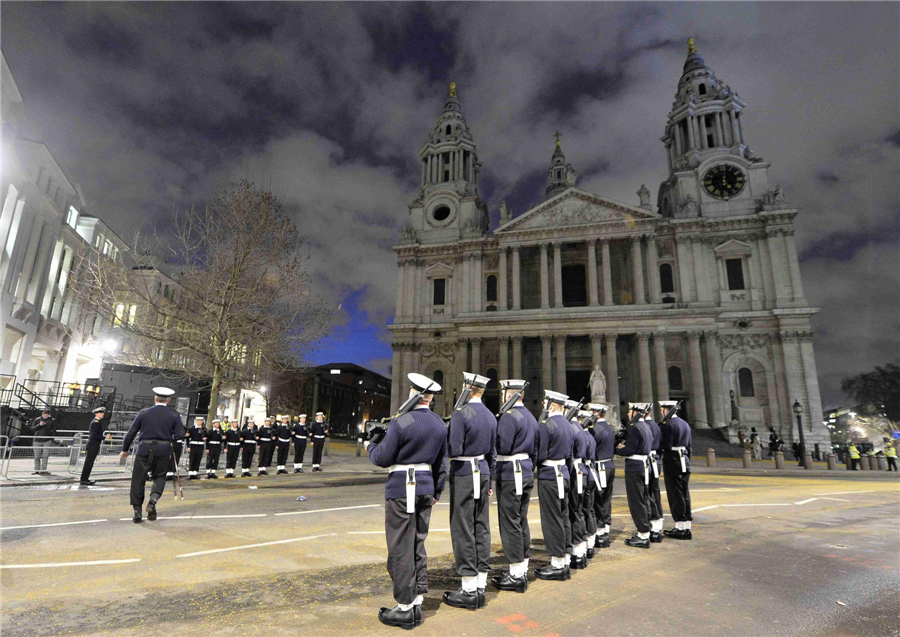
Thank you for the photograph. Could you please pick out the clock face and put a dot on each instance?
(724, 181)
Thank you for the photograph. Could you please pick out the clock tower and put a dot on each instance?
(712, 171)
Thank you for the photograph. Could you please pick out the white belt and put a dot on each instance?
(596, 478)
(265, 440)
(557, 464)
(234, 444)
(318, 436)
(301, 436)
(653, 464)
(516, 459)
(249, 442)
(579, 478)
(603, 471)
(214, 442)
(410, 470)
(284, 439)
(681, 451)
(197, 442)
(646, 466)
(475, 463)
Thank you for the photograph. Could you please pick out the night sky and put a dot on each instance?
(150, 106)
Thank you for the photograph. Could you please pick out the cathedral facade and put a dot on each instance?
(697, 298)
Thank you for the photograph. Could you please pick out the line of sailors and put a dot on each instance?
(571, 461)
(270, 438)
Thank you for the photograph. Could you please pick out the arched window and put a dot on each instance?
(745, 383)
(438, 377)
(491, 289)
(666, 280)
(676, 383)
(703, 89)
(448, 129)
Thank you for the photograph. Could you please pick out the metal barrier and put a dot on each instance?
(59, 456)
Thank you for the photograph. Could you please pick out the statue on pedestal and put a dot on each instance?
(597, 385)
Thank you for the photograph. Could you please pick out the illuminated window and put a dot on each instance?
(132, 313)
(119, 316)
(72, 217)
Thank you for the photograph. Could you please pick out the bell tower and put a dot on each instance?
(562, 174)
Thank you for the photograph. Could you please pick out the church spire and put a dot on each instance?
(562, 174)
(449, 156)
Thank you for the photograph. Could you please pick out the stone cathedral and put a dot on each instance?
(697, 298)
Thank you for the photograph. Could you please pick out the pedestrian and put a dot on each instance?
(196, 438)
(676, 445)
(795, 449)
(301, 436)
(158, 427)
(213, 450)
(773, 442)
(605, 438)
(232, 449)
(318, 433)
(890, 452)
(755, 445)
(414, 447)
(553, 447)
(283, 433)
(249, 440)
(637, 474)
(656, 512)
(471, 445)
(576, 545)
(514, 481)
(95, 439)
(266, 447)
(854, 457)
(42, 429)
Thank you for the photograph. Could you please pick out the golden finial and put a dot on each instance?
(690, 44)
(452, 89)
(557, 136)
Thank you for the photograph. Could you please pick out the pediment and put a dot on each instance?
(734, 247)
(576, 208)
(440, 269)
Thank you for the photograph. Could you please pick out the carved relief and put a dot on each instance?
(446, 350)
(744, 341)
(666, 248)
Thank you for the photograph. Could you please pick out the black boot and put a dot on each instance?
(568, 569)
(678, 534)
(603, 541)
(578, 563)
(87, 483)
(637, 542)
(151, 510)
(655, 537)
(482, 598)
(591, 552)
(300, 470)
(507, 582)
(297, 471)
(417, 611)
(462, 599)
(551, 573)
(405, 619)
(137, 515)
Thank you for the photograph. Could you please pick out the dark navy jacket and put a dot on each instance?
(676, 433)
(473, 432)
(605, 438)
(591, 451)
(301, 430)
(264, 432)
(196, 434)
(655, 438)
(579, 448)
(283, 431)
(250, 434)
(417, 437)
(214, 436)
(515, 434)
(232, 435)
(554, 441)
(154, 423)
(638, 444)
(95, 435)
(319, 429)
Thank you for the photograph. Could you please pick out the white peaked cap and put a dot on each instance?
(513, 383)
(668, 403)
(571, 403)
(555, 397)
(320, 413)
(422, 383)
(585, 414)
(302, 415)
(597, 407)
(475, 379)
(639, 405)
(163, 392)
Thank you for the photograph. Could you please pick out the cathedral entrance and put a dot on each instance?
(577, 384)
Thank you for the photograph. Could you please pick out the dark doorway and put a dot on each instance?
(574, 286)
(577, 384)
(491, 397)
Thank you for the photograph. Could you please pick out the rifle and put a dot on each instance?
(509, 404)
(376, 430)
(622, 434)
(177, 476)
(671, 413)
(574, 410)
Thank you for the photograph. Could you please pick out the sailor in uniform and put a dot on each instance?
(414, 447)
(319, 431)
(301, 435)
(656, 512)
(637, 474)
(676, 446)
(283, 433)
(554, 443)
(576, 547)
(471, 445)
(591, 483)
(605, 438)
(158, 427)
(213, 449)
(95, 439)
(196, 443)
(266, 448)
(249, 440)
(232, 449)
(514, 473)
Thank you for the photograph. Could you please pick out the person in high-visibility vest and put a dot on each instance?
(890, 452)
(854, 457)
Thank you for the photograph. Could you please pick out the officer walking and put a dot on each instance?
(576, 547)
(514, 472)
(301, 435)
(266, 448)
(637, 474)
(283, 433)
(196, 443)
(605, 438)
(249, 439)
(676, 446)
(656, 512)
(319, 431)
(414, 447)
(471, 445)
(42, 429)
(158, 427)
(95, 439)
(213, 450)
(553, 444)
(232, 449)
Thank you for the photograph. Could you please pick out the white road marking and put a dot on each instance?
(365, 532)
(62, 564)
(39, 526)
(764, 504)
(712, 506)
(203, 517)
(806, 501)
(254, 546)
(363, 506)
(835, 499)
(844, 492)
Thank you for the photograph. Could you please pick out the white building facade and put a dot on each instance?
(698, 298)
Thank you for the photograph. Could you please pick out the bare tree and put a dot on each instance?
(239, 304)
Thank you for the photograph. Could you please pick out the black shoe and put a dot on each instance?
(137, 515)
(637, 542)
(655, 537)
(482, 598)
(87, 483)
(190, 477)
(678, 534)
(507, 582)
(578, 563)
(213, 476)
(405, 619)
(301, 471)
(283, 471)
(551, 573)
(245, 475)
(229, 475)
(35, 473)
(568, 568)
(151, 510)
(603, 541)
(417, 610)
(591, 552)
(462, 599)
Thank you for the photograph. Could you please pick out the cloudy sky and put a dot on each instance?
(151, 106)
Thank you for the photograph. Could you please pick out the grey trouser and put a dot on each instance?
(638, 500)
(512, 515)
(470, 530)
(407, 562)
(41, 454)
(554, 516)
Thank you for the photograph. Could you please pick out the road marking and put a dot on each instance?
(712, 506)
(363, 506)
(254, 546)
(61, 564)
(765, 504)
(365, 532)
(203, 517)
(844, 492)
(39, 526)
(835, 499)
(806, 501)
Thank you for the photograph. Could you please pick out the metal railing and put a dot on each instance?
(23, 456)
(7, 389)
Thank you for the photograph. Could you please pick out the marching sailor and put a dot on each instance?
(605, 438)
(266, 447)
(232, 449)
(95, 439)
(676, 446)
(196, 443)
(514, 471)
(414, 447)
(283, 433)
(158, 427)
(576, 547)
(319, 431)
(213, 449)
(637, 473)
(553, 444)
(591, 483)
(656, 512)
(301, 435)
(249, 440)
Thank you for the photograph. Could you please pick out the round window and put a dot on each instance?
(441, 213)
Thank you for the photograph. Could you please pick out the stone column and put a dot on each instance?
(698, 393)
(592, 272)
(643, 341)
(517, 357)
(502, 303)
(545, 278)
(795, 376)
(702, 132)
(662, 369)
(503, 344)
(612, 373)
(546, 361)
(596, 352)
(814, 404)
(700, 272)
(409, 293)
(687, 289)
(465, 296)
(397, 377)
(607, 274)
(794, 263)
(653, 270)
(720, 139)
(733, 125)
(516, 280)
(462, 362)
(476, 356)
(691, 132)
(638, 267)
(557, 275)
(560, 363)
(478, 288)
(780, 266)
(714, 371)
(401, 288)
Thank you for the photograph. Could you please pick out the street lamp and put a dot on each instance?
(798, 409)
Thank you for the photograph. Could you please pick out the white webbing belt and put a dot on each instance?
(557, 465)
(516, 459)
(654, 464)
(197, 442)
(284, 439)
(593, 470)
(318, 437)
(603, 472)
(410, 470)
(646, 466)
(475, 463)
(234, 444)
(579, 477)
(681, 451)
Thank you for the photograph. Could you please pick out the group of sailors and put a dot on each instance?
(567, 454)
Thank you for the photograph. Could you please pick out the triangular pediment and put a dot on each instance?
(576, 207)
(734, 247)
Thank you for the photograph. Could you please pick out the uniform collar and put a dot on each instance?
(422, 407)
(475, 400)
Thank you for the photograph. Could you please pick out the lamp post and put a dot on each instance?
(798, 409)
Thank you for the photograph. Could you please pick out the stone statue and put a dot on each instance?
(597, 384)
(778, 195)
(735, 415)
(688, 205)
(409, 233)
